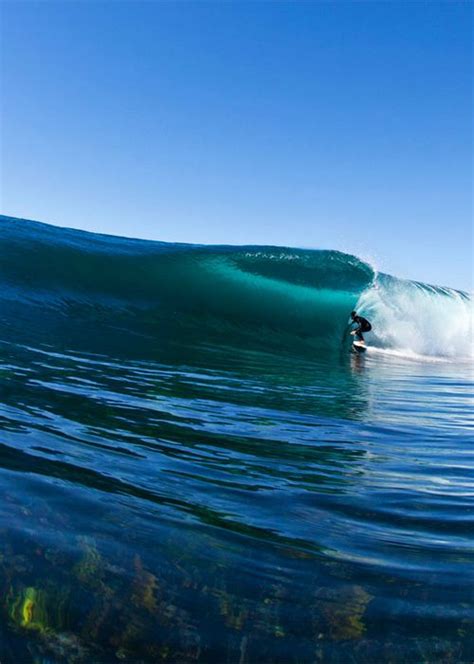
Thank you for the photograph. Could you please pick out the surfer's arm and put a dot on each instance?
(358, 329)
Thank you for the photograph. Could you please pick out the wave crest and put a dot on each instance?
(275, 296)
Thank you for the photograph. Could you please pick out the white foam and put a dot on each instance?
(417, 321)
(405, 355)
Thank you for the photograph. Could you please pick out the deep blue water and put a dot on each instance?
(189, 472)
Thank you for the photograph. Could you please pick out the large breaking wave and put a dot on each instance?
(271, 296)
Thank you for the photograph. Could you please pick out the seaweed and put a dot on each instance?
(341, 612)
(144, 587)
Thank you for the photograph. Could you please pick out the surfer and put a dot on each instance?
(363, 325)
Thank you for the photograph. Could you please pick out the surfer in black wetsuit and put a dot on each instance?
(363, 325)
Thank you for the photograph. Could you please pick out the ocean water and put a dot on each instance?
(195, 468)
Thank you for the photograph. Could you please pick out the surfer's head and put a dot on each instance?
(353, 314)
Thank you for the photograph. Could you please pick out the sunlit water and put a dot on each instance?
(224, 505)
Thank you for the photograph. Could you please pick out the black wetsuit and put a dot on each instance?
(364, 326)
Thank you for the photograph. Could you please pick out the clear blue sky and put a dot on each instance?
(317, 124)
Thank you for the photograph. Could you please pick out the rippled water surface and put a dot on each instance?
(234, 506)
(195, 468)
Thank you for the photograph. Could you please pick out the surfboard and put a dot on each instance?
(359, 346)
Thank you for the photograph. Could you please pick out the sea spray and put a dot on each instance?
(418, 319)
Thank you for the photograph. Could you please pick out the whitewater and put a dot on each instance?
(194, 467)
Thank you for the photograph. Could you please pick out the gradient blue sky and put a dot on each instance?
(327, 125)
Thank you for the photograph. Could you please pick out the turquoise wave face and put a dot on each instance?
(164, 288)
(292, 299)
